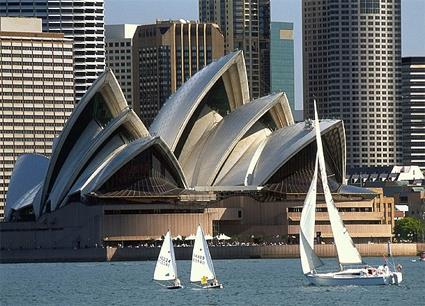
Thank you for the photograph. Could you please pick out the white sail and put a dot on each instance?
(347, 252)
(202, 266)
(166, 268)
(309, 259)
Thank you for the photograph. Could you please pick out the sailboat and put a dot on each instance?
(202, 266)
(352, 270)
(166, 268)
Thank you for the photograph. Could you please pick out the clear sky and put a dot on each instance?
(147, 11)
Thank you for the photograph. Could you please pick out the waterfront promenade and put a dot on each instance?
(185, 253)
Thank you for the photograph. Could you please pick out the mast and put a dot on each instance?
(347, 252)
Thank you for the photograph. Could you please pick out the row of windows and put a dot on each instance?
(16, 57)
(46, 94)
(119, 44)
(6, 45)
(20, 63)
(37, 79)
(39, 70)
(58, 87)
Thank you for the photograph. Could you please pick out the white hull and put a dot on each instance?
(216, 286)
(174, 287)
(356, 278)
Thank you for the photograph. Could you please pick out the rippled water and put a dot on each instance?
(246, 282)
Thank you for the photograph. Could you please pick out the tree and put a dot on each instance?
(409, 229)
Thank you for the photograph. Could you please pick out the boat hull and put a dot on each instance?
(174, 287)
(217, 286)
(333, 279)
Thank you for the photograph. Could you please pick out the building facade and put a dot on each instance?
(119, 46)
(246, 26)
(352, 66)
(36, 91)
(367, 218)
(167, 54)
(414, 111)
(282, 59)
(82, 21)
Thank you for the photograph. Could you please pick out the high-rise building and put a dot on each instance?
(282, 60)
(413, 74)
(36, 91)
(167, 54)
(352, 65)
(118, 44)
(246, 26)
(82, 21)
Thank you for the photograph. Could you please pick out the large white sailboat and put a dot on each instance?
(202, 271)
(348, 255)
(166, 268)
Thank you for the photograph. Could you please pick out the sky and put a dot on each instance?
(147, 11)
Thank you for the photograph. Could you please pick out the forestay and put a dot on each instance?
(309, 259)
(347, 252)
(166, 268)
(202, 266)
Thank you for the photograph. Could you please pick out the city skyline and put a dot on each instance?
(126, 11)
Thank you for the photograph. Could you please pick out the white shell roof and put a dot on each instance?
(76, 161)
(179, 108)
(28, 173)
(283, 144)
(127, 154)
(226, 135)
(109, 87)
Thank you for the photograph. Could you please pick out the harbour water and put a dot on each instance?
(246, 282)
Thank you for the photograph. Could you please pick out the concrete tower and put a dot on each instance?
(414, 111)
(352, 65)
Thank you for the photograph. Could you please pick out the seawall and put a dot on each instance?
(185, 253)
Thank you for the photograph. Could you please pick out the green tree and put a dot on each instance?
(410, 229)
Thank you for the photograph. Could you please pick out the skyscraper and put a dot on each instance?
(82, 21)
(119, 44)
(414, 111)
(36, 91)
(352, 65)
(282, 59)
(167, 54)
(246, 26)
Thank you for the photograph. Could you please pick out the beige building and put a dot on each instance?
(167, 54)
(367, 220)
(119, 43)
(366, 217)
(81, 21)
(36, 91)
(246, 26)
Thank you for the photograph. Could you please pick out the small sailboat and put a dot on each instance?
(166, 268)
(202, 266)
(348, 255)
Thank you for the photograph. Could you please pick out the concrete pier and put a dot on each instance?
(185, 253)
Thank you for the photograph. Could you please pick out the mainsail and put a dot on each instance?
(309, 259)
(202, 266)
(166, 268)
(347, 252)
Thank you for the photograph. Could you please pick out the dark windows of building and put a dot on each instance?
(369, 6)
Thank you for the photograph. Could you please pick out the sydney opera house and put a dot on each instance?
(212, 156)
